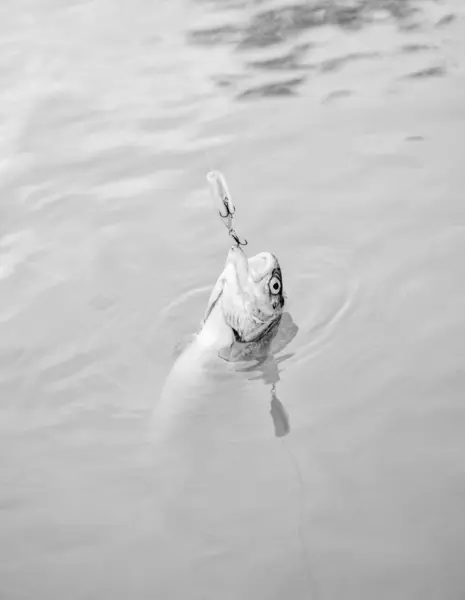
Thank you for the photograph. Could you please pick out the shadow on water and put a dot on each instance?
(266, 363)
(256, 26)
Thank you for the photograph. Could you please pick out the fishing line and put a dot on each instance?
(282, 428)
(305, 555)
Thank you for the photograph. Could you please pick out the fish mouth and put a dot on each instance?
(264, 331)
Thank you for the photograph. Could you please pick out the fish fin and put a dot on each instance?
(214, 297)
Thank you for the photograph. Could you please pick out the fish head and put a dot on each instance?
(252, 298)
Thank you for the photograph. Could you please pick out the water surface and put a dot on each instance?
(334, 470)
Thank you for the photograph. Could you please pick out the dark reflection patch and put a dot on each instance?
(438, 71)
(284, 88)
(259, 29)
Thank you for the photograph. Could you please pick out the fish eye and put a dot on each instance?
(275, 285)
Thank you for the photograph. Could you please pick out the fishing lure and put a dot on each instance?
(222, 198)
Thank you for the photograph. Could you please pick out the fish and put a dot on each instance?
(242, 317)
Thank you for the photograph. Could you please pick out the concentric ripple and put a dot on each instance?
(321, 296)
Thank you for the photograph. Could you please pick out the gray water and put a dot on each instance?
(337, 469)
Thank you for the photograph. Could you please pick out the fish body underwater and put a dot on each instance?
(242, 316)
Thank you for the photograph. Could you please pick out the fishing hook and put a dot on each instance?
(229, 212)
(235, 237)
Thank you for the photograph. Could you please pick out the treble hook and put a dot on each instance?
(221, 195)
(235, 237)
(227, 204)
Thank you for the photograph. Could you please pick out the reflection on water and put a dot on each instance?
(281, 422)
(266, 368)
(268, 26)
(285, 42)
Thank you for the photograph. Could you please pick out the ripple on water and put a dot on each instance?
(19, 283)
(279, 47)
(181, 318)
(322, 296)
